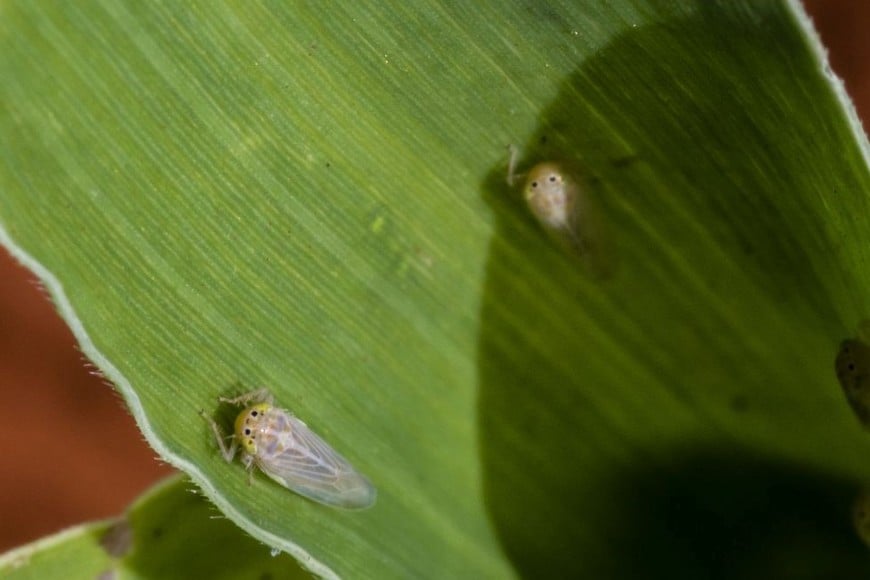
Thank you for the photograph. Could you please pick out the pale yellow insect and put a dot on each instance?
(556, 197)
(286, 450)
(553, 197)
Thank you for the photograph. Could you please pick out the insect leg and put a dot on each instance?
(248, 461)
(227, 452)
(512, 165)
(261, 395)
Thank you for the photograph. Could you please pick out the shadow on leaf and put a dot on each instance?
(607, 407)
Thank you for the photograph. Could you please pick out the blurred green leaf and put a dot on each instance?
(222, 196)
(73, 553)
(168, 533)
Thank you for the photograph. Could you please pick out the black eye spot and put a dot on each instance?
(253, 413)
(552, 179)
(247, 431)
(534, 184)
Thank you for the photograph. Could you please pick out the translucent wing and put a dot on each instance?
(306, 464)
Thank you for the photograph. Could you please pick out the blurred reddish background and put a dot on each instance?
(59, 466)
(70, 451)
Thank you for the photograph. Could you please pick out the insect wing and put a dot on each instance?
(310, 467)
